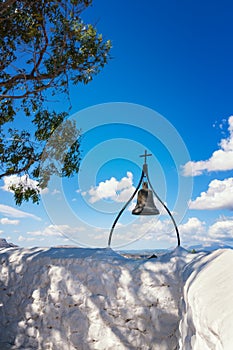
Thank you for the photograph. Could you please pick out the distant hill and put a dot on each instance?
(5, 244)
(209, 247)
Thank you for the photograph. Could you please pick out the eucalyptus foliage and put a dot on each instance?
(44, 47)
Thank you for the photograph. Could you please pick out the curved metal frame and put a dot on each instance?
(120, 213)
(144, 174)
(168, 211)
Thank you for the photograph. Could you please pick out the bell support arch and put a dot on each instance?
(144, 174)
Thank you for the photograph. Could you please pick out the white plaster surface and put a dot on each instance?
(207, 308)
(75, 298)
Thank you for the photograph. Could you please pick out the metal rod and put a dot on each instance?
(145, 155)
(169, 213)
(120, 213)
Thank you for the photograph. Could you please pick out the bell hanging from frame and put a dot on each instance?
(145, 203)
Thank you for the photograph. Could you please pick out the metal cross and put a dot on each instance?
(145, 155)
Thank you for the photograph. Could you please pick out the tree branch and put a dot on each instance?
(43, 50)
(25, 168)
(44, 87)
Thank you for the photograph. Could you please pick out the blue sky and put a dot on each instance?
(167, 89)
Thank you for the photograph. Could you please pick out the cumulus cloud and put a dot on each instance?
(222, 230)
(152, 229)
(197, 231)
(6, 221)
(193, 231)
(55, 230)
(15, 180)
(218, 196)
(10, 211)
(192, 227)
(20, 180)
(221, 159)
(119, 191)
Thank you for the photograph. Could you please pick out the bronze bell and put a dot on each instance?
(145, 203)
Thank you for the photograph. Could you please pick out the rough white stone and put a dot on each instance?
(72, 298)
(207, 306)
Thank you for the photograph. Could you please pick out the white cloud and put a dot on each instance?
(7, 210)
(6, 221)
(15, 180)
(218, 196)
(193, 226)
(27, 239)
(55, 191)
(196, 231)
(221, 160)
(153, 229)
(119, 191)
(55, 230)
(51, 230)
(222, 230)
(22, 180)
(191, 231)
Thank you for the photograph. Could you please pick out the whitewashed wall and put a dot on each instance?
(73, 298)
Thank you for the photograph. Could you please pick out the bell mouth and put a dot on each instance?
(145, 211)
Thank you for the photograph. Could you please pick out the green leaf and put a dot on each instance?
(44, 47)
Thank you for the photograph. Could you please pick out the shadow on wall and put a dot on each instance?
(74, 298)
